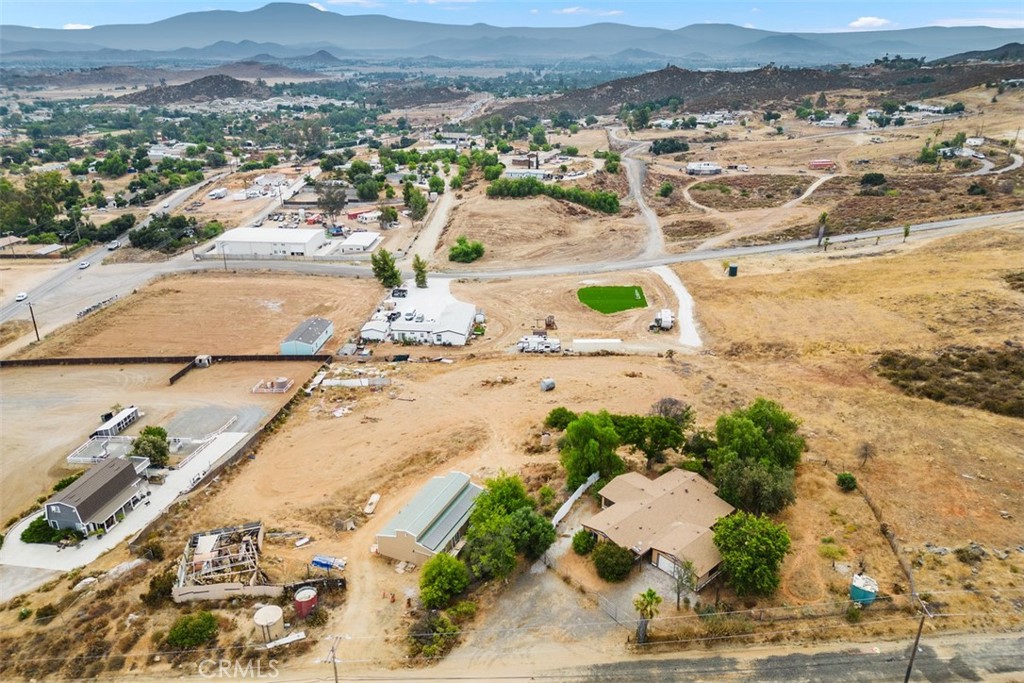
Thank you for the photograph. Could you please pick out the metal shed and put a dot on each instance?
(308, 338)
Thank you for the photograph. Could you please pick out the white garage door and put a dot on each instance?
(665, 564)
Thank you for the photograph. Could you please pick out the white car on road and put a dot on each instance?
(21, 296)
(83, 265)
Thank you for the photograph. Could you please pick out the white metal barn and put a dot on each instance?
(359, 242)
(308, 338)
(242, 242)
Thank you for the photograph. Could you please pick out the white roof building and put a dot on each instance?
(250, 242)
(360, 242)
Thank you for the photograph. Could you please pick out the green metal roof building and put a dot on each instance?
(432, 522)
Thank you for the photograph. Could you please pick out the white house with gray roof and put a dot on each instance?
(432, 522)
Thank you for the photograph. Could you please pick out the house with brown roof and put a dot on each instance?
(667, 520)
(101, 497)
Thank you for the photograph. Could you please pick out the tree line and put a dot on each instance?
(606, 202)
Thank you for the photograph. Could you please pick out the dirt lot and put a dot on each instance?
(801, 330)
(45, 413)
(251, 313)
(537, 230)
(586, 140)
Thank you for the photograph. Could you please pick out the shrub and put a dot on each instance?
(317, 617)
(46, 613)
(846, 481)
(613, 562)
(24, 613)
(442, 579)
(583, 542)
(462, 611)
(559, 418)
(152, 550)
(853, 613)
(67, 481)
(666, 189)
(464, 251)
(192, 630)
(976, 190)
(872, 179)
(41, 532)
(159, 590)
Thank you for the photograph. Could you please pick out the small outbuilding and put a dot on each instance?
(360, 242)
(308, 338)
(433, 522)
(115, 424)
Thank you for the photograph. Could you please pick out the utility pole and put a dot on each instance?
(224, 255)
(913, 653)
(33, 314)
(334, 660)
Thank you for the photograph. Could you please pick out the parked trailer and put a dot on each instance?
(218, 193)
(536, 343)
(664, 320)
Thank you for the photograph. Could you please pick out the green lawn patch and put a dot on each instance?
(613, 299)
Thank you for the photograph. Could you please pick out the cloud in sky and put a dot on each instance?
(870, 22)
(317, 5)
(586, 10)
(75, 27)
(357, 3)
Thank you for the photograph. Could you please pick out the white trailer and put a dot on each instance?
(663, 320)
(538, 343)
(218, 193)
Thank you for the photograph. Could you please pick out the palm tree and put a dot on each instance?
(646, 604)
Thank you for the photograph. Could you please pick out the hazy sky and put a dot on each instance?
(773, 15)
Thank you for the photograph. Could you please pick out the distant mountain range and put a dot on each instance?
(768, 87)
(1011, 52)
(287, 30)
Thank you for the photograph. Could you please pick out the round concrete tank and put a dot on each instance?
(305, 602)
(281, 383)
(269, 622)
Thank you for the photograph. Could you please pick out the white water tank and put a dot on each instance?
(269, 621)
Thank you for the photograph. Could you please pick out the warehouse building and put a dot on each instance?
(257, 242)
(433, 522)
(308, 338)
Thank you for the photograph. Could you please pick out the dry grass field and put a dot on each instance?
(250, 313)
(537, 230)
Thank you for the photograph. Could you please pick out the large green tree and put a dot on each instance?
(152, 446)
(531, 533)
(752, 549)
(443, 578)
(763, 431)
(589, 446)
(490, 548)
(651, 435)
(418, 204)
(384, 268)
(331, 199)
(755, 486)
